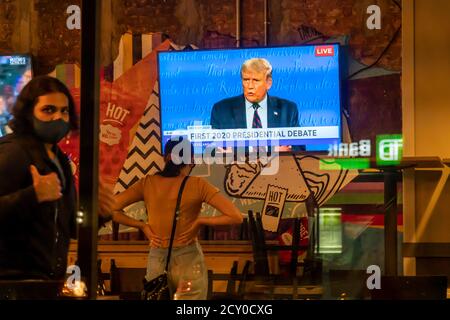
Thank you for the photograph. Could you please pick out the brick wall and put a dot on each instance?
(196, 21)
(212, 24)
(8, 10)
(57, 44)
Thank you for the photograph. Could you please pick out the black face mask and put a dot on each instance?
(50, 131)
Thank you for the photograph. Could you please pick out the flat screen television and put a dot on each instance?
(15, 72)
(197, 86)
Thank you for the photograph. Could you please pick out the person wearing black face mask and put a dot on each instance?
(37, 191)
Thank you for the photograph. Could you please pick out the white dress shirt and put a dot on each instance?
(262, 112)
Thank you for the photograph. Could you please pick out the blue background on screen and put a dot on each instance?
(15, 72)
(191, 82)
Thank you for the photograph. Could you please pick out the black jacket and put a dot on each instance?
(34, 237)
(230, 113)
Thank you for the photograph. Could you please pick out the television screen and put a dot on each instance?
(15, 72)
(229, 97)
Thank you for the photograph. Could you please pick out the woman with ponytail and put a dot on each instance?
(160, 193)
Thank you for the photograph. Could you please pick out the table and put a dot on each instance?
(391, 176)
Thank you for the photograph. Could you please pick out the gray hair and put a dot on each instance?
(258, 65)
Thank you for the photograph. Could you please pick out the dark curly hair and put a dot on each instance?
(22, 110)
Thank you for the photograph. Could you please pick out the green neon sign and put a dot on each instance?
(389, 149)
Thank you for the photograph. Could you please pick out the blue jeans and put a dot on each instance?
(188, 276)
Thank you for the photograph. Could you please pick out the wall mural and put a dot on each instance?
(123, 163)
(298, 174)
(130, 146)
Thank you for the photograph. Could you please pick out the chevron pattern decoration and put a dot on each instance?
(144, 154)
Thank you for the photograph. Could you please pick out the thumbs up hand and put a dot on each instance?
(47, 188)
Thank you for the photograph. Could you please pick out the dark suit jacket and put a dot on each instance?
(230, 113)
(32, 243)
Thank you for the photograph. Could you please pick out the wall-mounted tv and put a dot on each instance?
(205, 96)
(15, 72)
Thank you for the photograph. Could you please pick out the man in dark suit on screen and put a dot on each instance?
(255, 108)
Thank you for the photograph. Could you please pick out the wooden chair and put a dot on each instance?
(230, 293)
(261, 249)
(267, 283)
(244, 232)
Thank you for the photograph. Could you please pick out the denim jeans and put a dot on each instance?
(188, 276)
